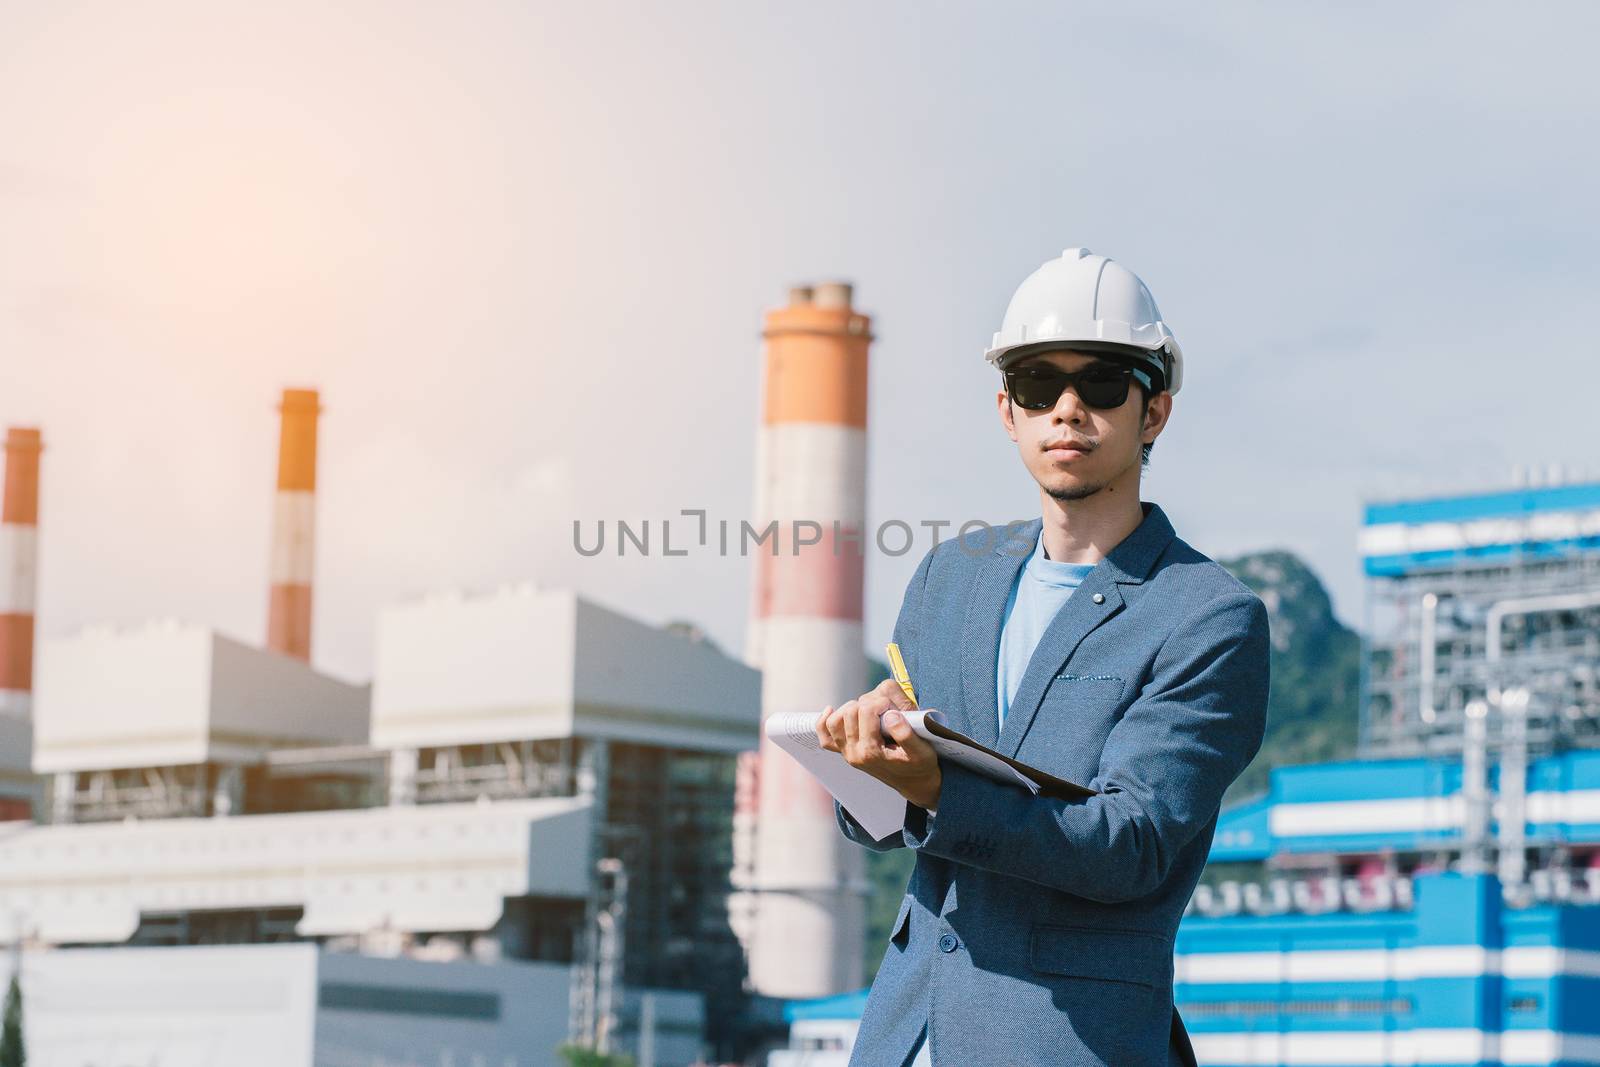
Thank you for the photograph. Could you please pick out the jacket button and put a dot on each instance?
(1099, 598)
(947, 943)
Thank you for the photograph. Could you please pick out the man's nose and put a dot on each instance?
(1068, 406)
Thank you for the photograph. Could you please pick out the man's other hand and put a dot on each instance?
(870, 733)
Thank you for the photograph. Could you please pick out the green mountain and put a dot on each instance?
(1311, 713)
(1316, 670)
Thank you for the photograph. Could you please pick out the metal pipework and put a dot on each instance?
(1513, 706)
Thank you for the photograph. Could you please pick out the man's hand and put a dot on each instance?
(903, 760)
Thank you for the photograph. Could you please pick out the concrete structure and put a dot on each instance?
(528, 692)
(294, 516)
(19, 575)
(522, 662)
(295, 1005)
(804, 881)
(166, 718)
(387, 875)
(563, 795)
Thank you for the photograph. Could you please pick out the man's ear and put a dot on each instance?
(1007, 416)
(1156, 413)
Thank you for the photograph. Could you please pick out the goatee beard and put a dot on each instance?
(1077, 492)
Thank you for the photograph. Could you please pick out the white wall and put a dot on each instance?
(247, 1006)
(529, 663)
(298, 1006)
(455, 669)
(257, 694)
(429, 868)
(122, 698)
(644, 683)
(170, 693)
(500, 1015)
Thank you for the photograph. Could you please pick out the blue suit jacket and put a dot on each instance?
(1038, 932)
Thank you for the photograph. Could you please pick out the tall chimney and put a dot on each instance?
(294, 516)
(19, 572)
(809, 914)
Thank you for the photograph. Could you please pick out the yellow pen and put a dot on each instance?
(897, 667)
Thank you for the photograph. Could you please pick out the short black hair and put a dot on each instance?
(1144, 406)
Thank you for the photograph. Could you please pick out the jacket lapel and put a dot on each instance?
(992, 580)
(1128, 563)
(1077, 618)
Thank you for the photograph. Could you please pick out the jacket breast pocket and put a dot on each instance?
(1076, 714)
(1084, 696)
(1107, 955)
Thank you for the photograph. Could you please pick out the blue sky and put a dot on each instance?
(1371, 227)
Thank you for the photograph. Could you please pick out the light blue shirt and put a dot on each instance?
(1042, 587)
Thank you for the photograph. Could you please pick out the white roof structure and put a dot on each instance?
(283, 1006)
(524, 663)
(434, 868)
(172, 694)
(296, 1005)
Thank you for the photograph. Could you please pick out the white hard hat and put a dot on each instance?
(1086, 301)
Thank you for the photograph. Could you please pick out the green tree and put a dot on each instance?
(579, 1056)
(12, 1053)
(1316, 671)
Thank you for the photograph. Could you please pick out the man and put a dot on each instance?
(1095, 644)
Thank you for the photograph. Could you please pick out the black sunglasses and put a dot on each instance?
(1037, 386)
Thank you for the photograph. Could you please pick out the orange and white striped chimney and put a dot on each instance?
(294, 516)
(19, 569)
(19, 574)
(805, 635)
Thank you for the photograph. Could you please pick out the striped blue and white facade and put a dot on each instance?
(1407, 536)
(1457, 979)
(1404, 805)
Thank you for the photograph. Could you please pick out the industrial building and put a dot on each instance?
(299, 1005)
(1437, 899)
(582, 763)
(531, 693)
(521, 833)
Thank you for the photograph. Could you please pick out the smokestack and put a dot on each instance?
(19, 571)
(806, 636)
(294, 526)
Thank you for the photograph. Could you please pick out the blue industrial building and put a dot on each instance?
(1394, 957)
(1458, 977)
